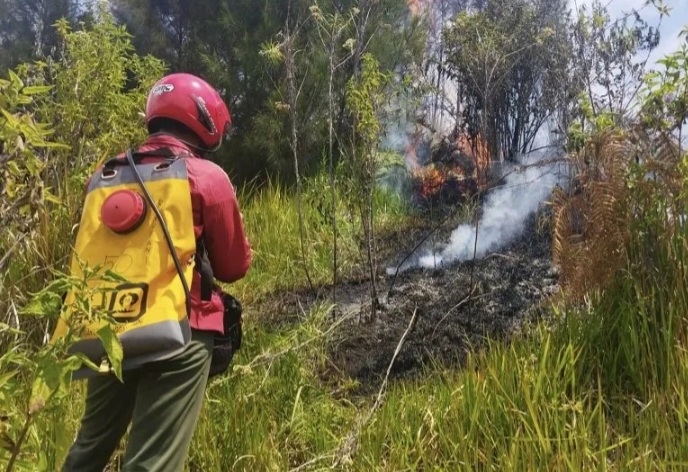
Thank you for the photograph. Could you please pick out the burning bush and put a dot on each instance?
(455, 170)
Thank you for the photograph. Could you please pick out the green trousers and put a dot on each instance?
(162, 401)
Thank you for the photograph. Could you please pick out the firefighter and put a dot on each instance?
(161, 400)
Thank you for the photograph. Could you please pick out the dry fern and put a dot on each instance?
(592, 220)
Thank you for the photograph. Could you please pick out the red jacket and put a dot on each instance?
(216, 216)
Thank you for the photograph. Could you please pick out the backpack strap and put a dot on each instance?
(205, 269)
(165, 152)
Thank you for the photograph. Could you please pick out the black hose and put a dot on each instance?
(168, 238)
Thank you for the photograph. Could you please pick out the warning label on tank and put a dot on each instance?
(126, 302)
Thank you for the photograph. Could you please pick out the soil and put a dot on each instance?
(457, 308)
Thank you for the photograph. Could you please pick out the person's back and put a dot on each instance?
(162, 399)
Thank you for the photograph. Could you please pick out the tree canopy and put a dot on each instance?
(514, 64)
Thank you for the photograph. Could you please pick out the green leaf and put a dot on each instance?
(86, 361)
(44, 385)
(114, 277)
(13, 167)
(36, 89)
(12, 120)
(6, 442)
(44, 304)
(52, 198)
(71, 364)
(5, 328)
(14, 78)
(113, 348)
(48, 301)
(52, 376)
(49, 145)
(4, 378)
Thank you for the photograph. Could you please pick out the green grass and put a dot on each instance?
(538, 404)
(525, 407)
(272, 226)
(273, 412)
(601, 387)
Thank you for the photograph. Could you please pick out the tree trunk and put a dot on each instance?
(293, 98)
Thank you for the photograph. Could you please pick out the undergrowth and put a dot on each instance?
(271, 223)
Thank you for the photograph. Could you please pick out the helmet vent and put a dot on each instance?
(204, 115)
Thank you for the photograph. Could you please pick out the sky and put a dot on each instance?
(669, 27)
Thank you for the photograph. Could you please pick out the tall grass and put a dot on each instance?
(271, 223)
(273, 413)
(526, 407)
(538, 404)
(602, 388)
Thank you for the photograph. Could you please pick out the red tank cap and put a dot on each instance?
(123, 211)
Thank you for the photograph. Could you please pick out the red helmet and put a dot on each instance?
(192, 102)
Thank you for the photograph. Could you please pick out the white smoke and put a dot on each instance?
(506, 208)
(398, 132)
(504, 213)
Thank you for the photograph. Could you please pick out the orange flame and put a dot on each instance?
(477, 149)
(431, 179)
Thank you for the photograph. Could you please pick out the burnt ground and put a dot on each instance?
(508, 288)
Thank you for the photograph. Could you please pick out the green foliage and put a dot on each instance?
(44, 372)
(366, 101)
(633, 339)
(366, 98)
(533, 407)
(92, 97)
(665, 96)
(23, 190)
(271, 222)
(99, 88)
(222, 42)
(608, 65)
(281, 415)
(588, 124)
(511, 59)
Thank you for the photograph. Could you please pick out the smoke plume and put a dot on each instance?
(504, 214)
